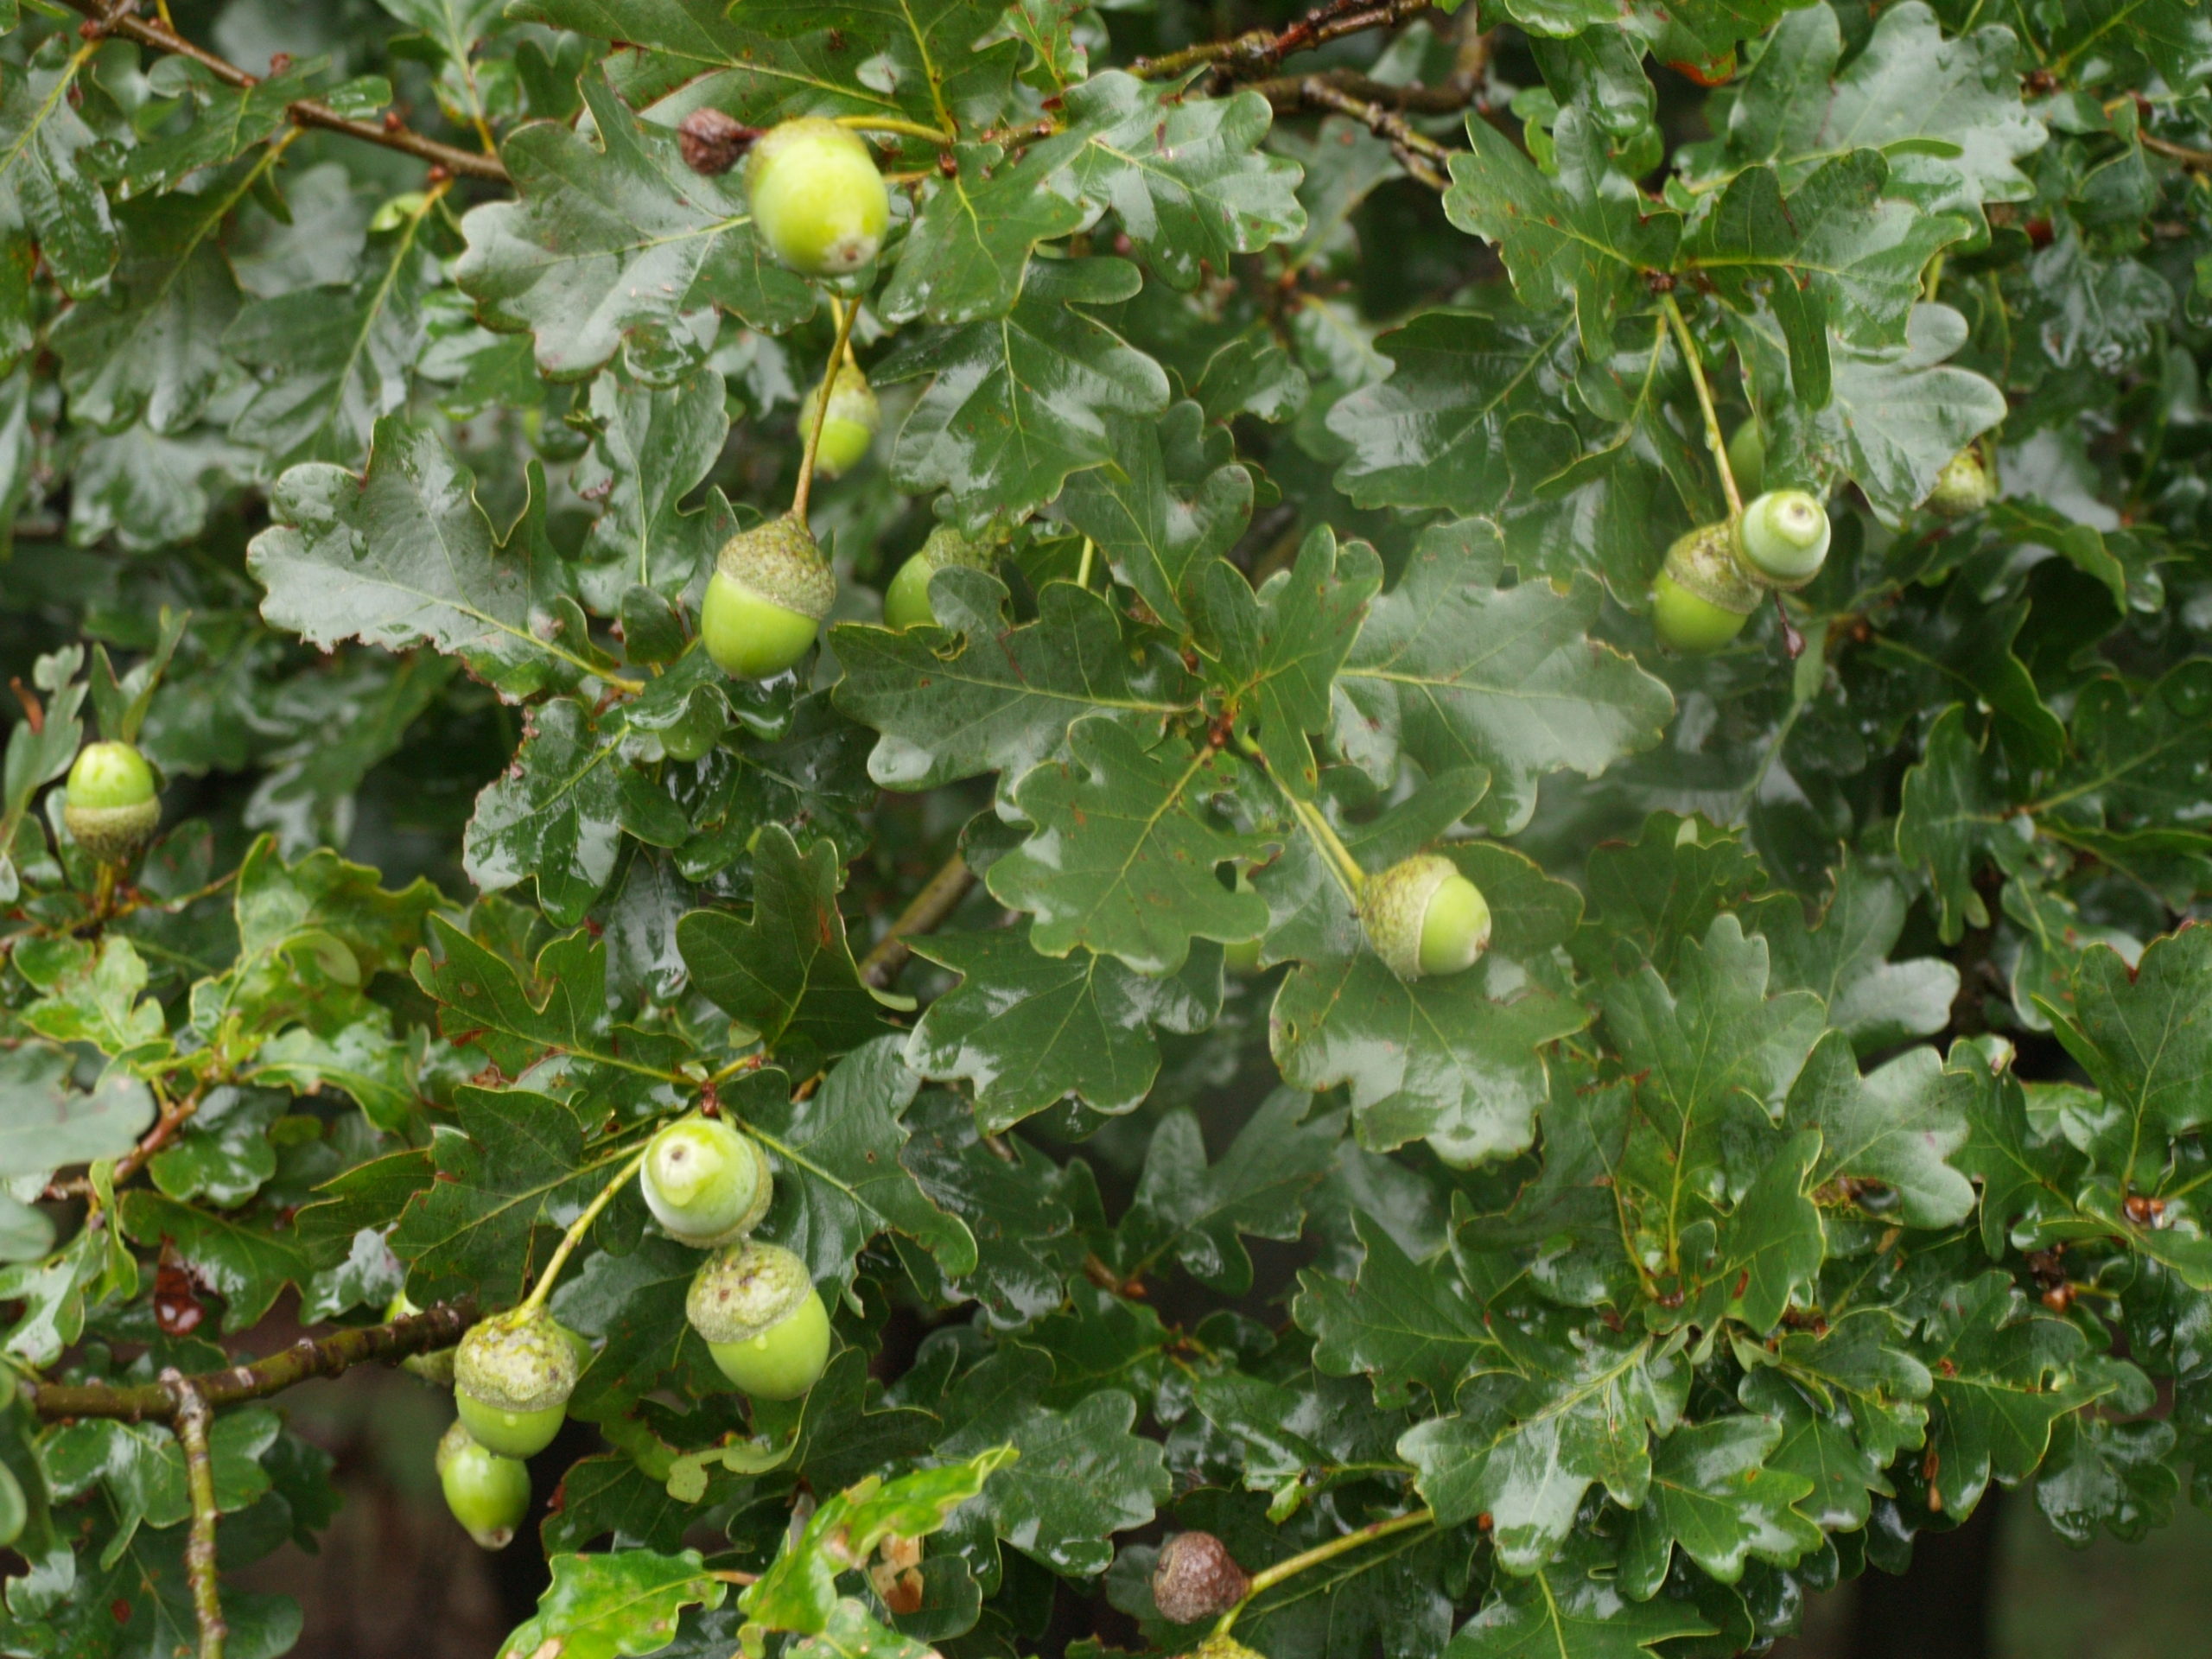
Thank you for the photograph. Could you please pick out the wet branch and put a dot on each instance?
(117, 17)
(939, 897)
(437, 1327)
(192, 1417)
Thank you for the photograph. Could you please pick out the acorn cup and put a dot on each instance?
(763, 1321)
(488, 1494)
(1964, 486)
(854, 419)
(907, 600)
(109, 805)
(767, 598)
(512, 1375)
(1224, 1647)
(706, 1181)
(818, 201)
(1784, 539)
(1703, 595)
(1197, 1578)
(1424, 918)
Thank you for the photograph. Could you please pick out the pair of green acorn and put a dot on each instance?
(708, 1185)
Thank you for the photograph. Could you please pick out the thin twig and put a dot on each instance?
(939, 897)
(577, 1229)
(191, 1424)
(1255, 53)
(1287, 93)
(109, 19)
(174, 1116)
(1421, 156)
(1267, 1579)
(435, 1328)
(2197, 159)
(846, 316)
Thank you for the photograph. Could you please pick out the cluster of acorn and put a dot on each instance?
(708, 1184)
(1715, 576)
(820, 206)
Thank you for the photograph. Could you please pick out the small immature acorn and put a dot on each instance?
(706, 1181)
(907, 600)
(1197, 1578)
(1702, 596)
(512, 1375)
(1964, 486)
(436, 1366)
(109, 805)
(1747, 454)
(764, 1321)
(488, 1494)
(849, 428)
(767, 598)
(1424, 918)
(818, 201)
(1224, 1647)
(1783, 538)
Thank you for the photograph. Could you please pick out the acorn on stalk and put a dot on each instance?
(767, 598)
(512, 1375)
(819, 203)
(109, 805)
(706, 1181)
(907, 600)
(764, 1321)
(849, 427)
(1424, 918)
(1964, 486)
(488, 1494)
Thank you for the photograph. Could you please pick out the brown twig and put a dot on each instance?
(191, 1422)
(1421, 156)
(2195, 160)
(116, 19)
(436, 1327)
(173, 1118)
(1256, 52)
(939, 897)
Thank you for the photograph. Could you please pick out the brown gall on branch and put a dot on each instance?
(436, 1327)
(712, 141)
(191, 1424)
(118, 20)
(939, 897)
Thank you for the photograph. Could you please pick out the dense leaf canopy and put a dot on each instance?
(1817, 1140)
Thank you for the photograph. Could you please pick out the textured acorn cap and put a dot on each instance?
(851, 398)
(1197, 1578)
(1964, 486)
(1394, 905)
(517, 1364)
(1224, 1647)
(112, 835)
(948, 544)
(780, 562)
(746, 1290)
(1704, 561)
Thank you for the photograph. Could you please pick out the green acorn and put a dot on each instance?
(1224, 1647)
(436, 1366)
(109, 804)
(763, 1320)
(1424, 918)
(706, 1181)
(767, 598)
(1747, 454)
(1783, 538)
(849, 428)
(488, 1494)
(1703, 595)
(906, 602)
(818, 201)
(1964, 486)
(512, 1379)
